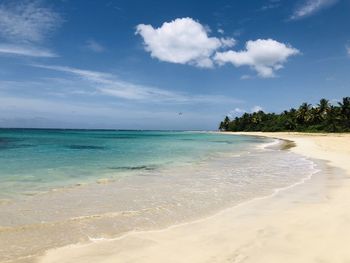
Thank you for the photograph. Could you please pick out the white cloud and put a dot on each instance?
(246, 77)
(25, 50)
(256, 108)
(186, 41)
(265, 56)
(272, 4)
(24, 24)
(228, 42)
(221, 31)
(110, 85)
(183, 41)
(94, 46)
(24, 111)
(27, 21)
(235, 112)
(310, 7)
(238, 111)
(347, 47)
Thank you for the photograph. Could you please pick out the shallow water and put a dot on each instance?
(126, 181)
(35, 161)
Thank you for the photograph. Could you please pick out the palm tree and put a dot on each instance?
(332, 119)
(302, 114)
(288, 119)
(323, 108)
(345, 112)
(224, 124)
(322, 117)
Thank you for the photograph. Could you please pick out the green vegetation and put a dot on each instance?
(323, 117)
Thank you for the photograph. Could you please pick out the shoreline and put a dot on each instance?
(172, 204)
(336, 157)
(256, 229)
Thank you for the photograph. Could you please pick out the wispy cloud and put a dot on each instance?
(310, 7)
(271, 4)
(347, 48)
(235, 112)
(24, 111)
(27, 21)
(76, 102)
(110, 85)
(246, 76)
(25, 50)
(24, 24)
(94, 46)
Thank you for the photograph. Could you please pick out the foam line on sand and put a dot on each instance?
(305, 224)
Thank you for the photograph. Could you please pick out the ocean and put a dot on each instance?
(59, 187)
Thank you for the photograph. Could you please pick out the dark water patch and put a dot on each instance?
(225, 142)
(158, 135)
(143, 135)
(10, 143)
(5, 140)
(138, 167)
(85, 147)
(128, 137)
(117, 137)
(14, 146)
(24, 145)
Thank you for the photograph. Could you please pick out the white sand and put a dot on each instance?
(308, 223)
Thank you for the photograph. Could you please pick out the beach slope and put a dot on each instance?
(307, 223)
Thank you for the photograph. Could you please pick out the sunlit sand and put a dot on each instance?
(305, 223)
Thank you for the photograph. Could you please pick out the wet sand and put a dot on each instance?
(309, 222)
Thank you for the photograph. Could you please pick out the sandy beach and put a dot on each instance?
(309, 222)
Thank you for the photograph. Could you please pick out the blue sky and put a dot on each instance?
(167, 64)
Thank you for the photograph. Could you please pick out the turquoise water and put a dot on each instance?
(34, 160)
(59, 187)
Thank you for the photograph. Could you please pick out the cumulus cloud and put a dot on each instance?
(310, 7)
(183, 41)
(186, 41)
(227, 42)
(265, 56)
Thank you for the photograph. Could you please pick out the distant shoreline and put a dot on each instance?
(299, 137)
(322, 117)
(313, 145)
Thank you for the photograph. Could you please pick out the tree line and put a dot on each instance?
(323, 117)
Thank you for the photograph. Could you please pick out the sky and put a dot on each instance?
(173, 65)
